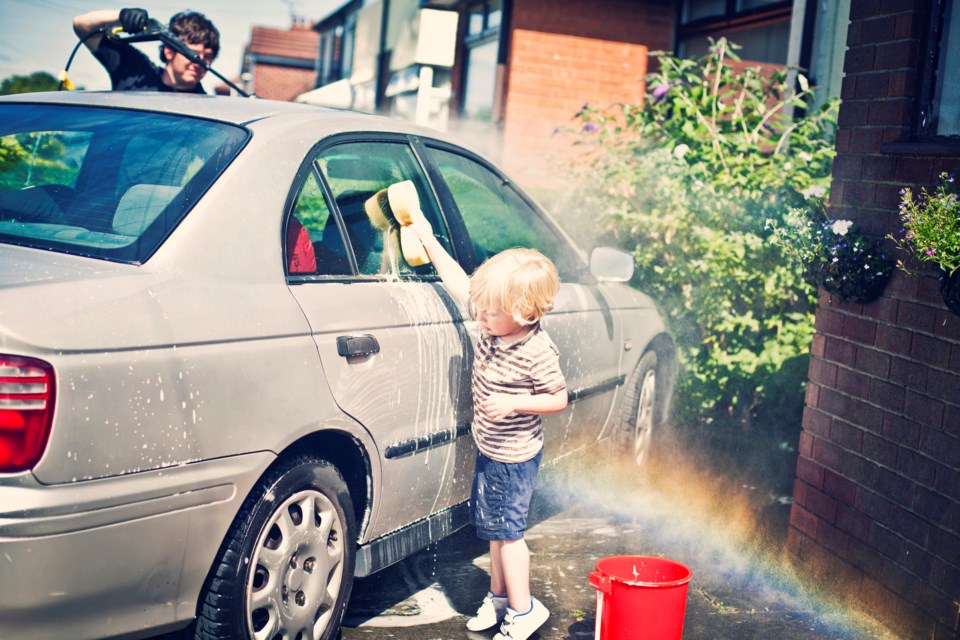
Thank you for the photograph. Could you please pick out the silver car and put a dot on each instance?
(224, 393)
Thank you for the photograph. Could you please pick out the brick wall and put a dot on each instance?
(276, 82)
(877, 496)
(564, 53)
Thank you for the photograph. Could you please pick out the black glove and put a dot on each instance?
(133, 20)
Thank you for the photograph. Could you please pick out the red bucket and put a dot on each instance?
(640, 598)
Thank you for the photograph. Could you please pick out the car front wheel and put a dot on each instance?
(639, 414)
(286, 567)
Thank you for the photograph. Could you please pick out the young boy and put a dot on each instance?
(130, 69)
(516, 379)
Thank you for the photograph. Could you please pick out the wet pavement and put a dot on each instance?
(730, 533)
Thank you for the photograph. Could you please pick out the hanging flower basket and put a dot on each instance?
(836, 257)
(857, 284)
(950, 290)
(931, 233)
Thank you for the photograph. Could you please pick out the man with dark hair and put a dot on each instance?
(130, 69)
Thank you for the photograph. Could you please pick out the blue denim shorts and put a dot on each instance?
(500, 498)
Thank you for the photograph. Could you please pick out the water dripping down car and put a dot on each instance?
(224, 394)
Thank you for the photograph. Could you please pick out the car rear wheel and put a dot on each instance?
(640, 413)
(286, 567)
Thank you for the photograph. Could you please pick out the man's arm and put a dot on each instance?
(84, 25)
(132, 21)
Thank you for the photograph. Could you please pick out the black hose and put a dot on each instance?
(63, 74)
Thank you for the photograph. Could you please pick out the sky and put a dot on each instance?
(37, 35)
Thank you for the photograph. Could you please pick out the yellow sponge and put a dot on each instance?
(377, 208)
(412, 248)
(404, 202)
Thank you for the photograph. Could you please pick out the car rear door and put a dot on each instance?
(391, 340)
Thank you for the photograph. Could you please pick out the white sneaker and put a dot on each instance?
(490, 613)
(520, 626)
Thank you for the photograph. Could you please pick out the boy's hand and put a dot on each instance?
(421, 226)
(500, 405)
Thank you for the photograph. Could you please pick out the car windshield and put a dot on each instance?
(106, 183)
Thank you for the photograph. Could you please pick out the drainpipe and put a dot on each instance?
(503, 55)
(383, 59)
(798, 33)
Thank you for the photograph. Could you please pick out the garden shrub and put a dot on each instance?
(686, 181)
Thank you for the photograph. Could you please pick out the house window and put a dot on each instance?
(940, 111)
(480, 67)
(483, 18)
(481, 75)
(336, 52)
(760, 27)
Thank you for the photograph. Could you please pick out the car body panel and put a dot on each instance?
(179, 380)
(413, 387)
(181, 513)
(592, 368)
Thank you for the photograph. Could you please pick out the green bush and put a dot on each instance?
(686, 181)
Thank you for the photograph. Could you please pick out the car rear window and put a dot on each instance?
(106, 183)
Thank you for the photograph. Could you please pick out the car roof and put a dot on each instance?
(234, 110)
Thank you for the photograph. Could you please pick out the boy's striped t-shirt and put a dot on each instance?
(531, 366)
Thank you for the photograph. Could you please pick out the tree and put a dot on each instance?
(36, 81)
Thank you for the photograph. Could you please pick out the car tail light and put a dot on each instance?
(26, 411)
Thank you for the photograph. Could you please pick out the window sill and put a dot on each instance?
(931, 148)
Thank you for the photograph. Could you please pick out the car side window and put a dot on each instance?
(496, 216)
(313, 242)
(356, 172)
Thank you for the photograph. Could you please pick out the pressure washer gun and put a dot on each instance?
(152, 31)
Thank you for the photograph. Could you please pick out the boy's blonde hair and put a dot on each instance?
(521, 282)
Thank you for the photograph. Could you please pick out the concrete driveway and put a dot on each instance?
(729, 533)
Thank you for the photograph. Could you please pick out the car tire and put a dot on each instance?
(278, 573)
(640, 413)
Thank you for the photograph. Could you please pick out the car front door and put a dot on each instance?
(391, 340)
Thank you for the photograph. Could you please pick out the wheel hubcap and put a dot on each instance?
(643, 424)
(297, 570)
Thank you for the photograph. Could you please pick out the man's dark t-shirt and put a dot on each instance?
(131, 70)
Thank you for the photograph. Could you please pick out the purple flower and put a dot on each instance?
(930, 252)
(660, 90)
(590, 128)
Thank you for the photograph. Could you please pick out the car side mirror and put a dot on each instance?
(611, 265)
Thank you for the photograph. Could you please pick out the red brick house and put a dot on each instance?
(518, 69)
(560, 55)
(877, 496)
(280, 64)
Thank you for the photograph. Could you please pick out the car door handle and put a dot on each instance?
(354, 346)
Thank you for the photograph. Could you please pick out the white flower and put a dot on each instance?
(680, 150)
(840, 227)
(814, 191)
